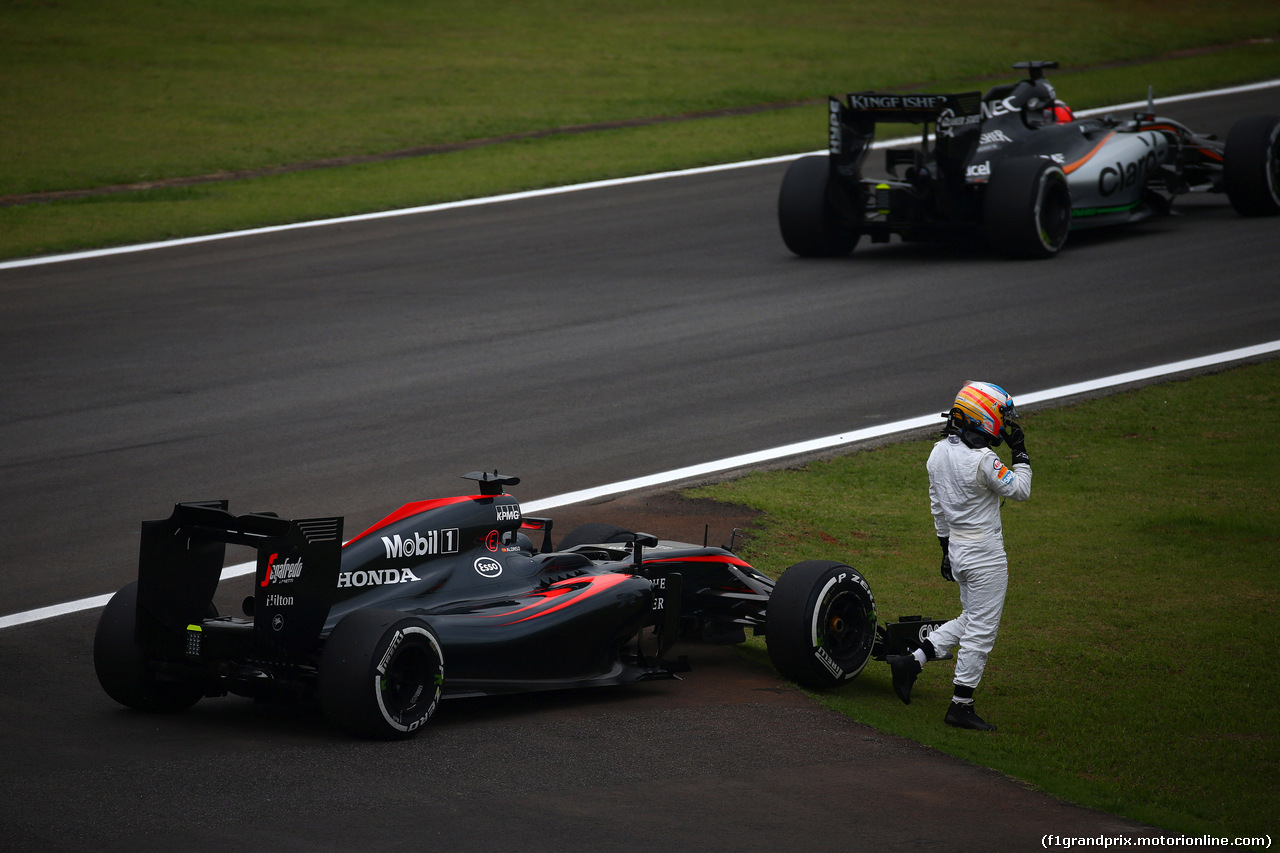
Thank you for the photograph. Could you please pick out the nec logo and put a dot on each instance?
(418, 545)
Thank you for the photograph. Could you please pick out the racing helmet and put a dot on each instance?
(1059, 113)
(1036, 99)
(980, 412)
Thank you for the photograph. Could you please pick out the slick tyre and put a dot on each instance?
(594, 533)
(381, 674)
(807, 212)
(821, 624)
(122, 666)
(1251, 166)
(1026, 211)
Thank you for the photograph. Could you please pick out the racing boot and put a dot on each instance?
(962, 716)
(905, 668)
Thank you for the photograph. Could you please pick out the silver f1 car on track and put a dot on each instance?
(450, 597)
(1015, 165)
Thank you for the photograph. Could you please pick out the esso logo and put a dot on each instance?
(488, 567)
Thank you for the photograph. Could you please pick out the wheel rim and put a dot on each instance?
(1273, 165)
(1053, 213)
(407, 683)
(842, 621)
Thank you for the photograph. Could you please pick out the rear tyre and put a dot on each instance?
(594, 533)
(1251, 166)
(821, 624)
(122, 667)
(1027, 208)
(381, 674)
(807, 213)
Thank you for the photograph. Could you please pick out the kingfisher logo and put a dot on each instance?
(285, 571)
(418, 545)
(896, 102)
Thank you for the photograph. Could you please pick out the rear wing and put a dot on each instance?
(852, 122)
(180, 563)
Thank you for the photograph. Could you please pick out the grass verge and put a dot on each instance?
(100, 95)
(1133, 671)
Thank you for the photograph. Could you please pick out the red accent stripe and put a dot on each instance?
(413, 509)
(571, 590)
(266, 579)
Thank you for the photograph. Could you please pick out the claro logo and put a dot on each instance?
(1122, 176)
(419, 545)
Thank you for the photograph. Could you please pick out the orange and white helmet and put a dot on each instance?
(984, 407)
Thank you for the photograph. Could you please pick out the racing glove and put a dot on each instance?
(945, 542)
(1017, 441)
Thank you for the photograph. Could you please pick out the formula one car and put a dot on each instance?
(449, 597)
(1013, 165)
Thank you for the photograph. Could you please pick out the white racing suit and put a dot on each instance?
(966, 486)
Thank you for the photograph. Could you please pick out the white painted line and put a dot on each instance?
(500, 199)
(745, 460)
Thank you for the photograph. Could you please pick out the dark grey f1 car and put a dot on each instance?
(450, 597)
(1015, 166)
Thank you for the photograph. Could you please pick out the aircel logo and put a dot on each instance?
(418, 545)
(286, 571)
(375, 577)
(488, 567)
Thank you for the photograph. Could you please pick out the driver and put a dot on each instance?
(1059, 113)
(967, 482)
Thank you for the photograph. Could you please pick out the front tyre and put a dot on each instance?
(381, 674)
(821, 624)
(1251, 166)
(1026, 210)
(122, 666)
(808, 211)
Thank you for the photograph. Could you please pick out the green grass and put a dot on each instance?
(101, 93)
(1134, 670)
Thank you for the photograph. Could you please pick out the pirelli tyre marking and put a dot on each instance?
(410, 716)
(821, 624)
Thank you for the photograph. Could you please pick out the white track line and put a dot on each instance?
(747, 460)
(499, 199)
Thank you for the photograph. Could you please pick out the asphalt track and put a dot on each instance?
(573, 340)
